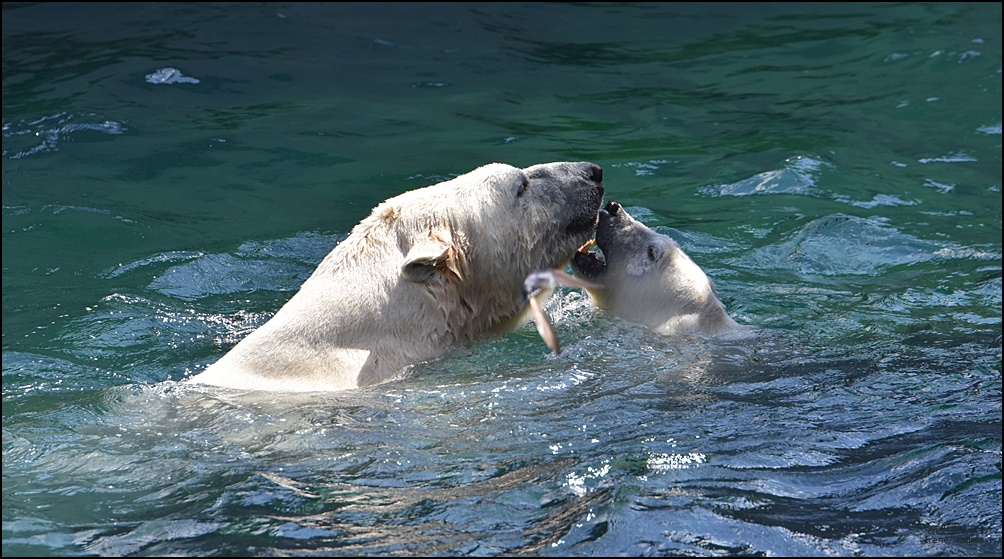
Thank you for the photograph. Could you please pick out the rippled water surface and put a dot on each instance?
(173, 172)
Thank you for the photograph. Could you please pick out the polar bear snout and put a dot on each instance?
(573, 191)
(593, 263)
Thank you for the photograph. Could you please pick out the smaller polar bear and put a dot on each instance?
(427, 270)
(645, 277)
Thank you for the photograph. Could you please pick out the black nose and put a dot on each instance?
(612, 207)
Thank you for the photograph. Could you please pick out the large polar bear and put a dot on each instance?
(428, 269)
(646, 278)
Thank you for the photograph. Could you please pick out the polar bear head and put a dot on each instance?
(470, 241)
(647, 278)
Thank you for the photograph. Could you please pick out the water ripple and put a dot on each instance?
(844, 245)
(26, 138)
(796, 176)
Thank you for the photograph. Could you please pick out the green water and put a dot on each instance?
(836, 168)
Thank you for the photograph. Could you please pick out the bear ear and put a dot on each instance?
(425, 259)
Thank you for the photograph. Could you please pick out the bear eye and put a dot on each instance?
(523, 185)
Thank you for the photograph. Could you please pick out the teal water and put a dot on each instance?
(836, 168)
